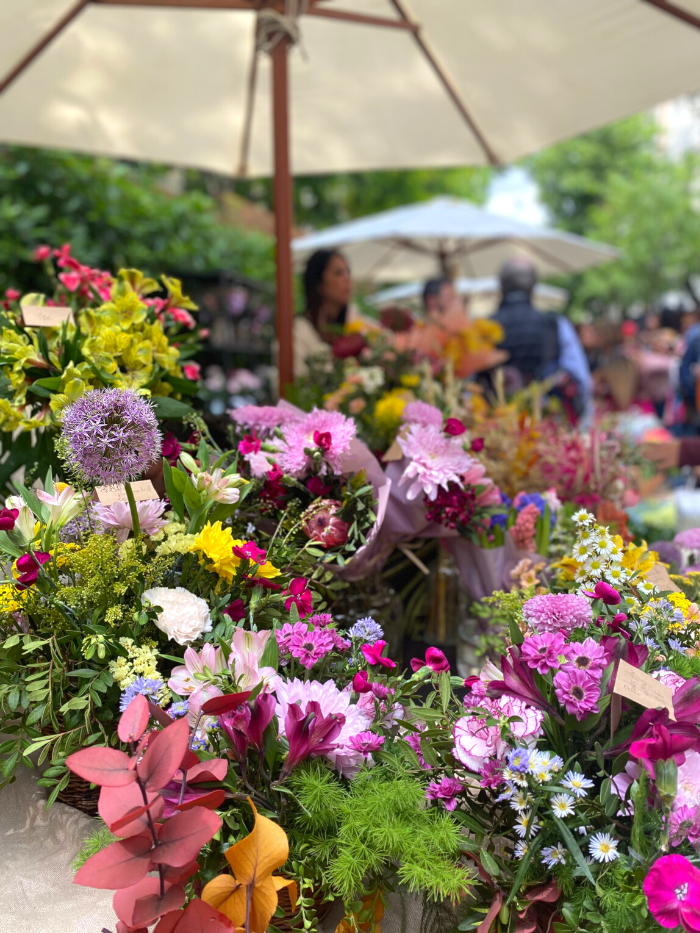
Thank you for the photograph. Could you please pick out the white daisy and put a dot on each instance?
(604, 545)
(520, 801)
(616, 573)
(514, 777)
(585, 534)
(603, 847)
(582, 517)
(556, 764)
(543, 776)
(581, 830)
(562, 805)
(554, 855)
(582, 551)
(647, 588)
(595, 567)
(522, 825)
(521, 849)
(576, 783)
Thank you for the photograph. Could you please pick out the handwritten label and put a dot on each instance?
(395, 452)
(641, 688)
(38, 316)
(658, 575)
(142, 490)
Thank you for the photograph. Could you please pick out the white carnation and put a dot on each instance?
(184, 616)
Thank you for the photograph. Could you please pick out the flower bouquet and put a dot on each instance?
(96, 330)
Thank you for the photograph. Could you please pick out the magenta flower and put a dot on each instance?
(310, 646)
(578, 691)
(246, 725)
(454, 427)
(8, 518)
(235, 610)
(586, 656)
(366, 742)
(434, 460)
(663, 745)
(250, 551)
(672, 888)
(434, 659)
(604, 591)
(685, 824)
(447, 791)
(413, 739)
(556, 612)
(28, 566)
(320, 619)
(541, 652)
(299, 595)
(317, 487)
(250, 444)
(328, 432)
(309, 733)
(360, 682)
(373, 654)
(519, 682)
(284, 634)
(170, 448)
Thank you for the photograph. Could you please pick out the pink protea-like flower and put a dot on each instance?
(541, 652)
(321, 524)
(329, 433)
(587, 656)
(672, 888)
(422, 413)
(366, 743)
(558, 612)
(311, 646)
(447, 791)
(117, 517)
(263, 418)
(523, 531)
(435, 460)
(578, 691)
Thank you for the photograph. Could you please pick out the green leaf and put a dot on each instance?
(489, 863)
(172, 490)
(166, 408)
(573, 847)
(532, 847)
(270, 656)
(516, 636)
(11, 641)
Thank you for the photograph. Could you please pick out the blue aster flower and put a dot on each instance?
(142, 686)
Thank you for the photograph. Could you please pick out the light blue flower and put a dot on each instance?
(367, 630)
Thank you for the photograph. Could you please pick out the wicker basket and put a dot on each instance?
(79, 795)
(284, 924)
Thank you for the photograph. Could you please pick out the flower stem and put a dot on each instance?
(134, 511)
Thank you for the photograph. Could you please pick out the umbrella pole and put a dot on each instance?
(282, 187)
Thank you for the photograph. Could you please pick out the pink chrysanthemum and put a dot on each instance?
(422, 413)
(263, 418)
(320, 619)
(284, 634)
(690, 538)
(436, 460)
(329, 432)
(578, 692)
(447, 791)
(558, 612)
(310, 646)
(366, 743)
(117, 517)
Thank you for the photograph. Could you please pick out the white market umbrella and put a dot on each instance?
(449, 236)
(375, 83)
(482, 294)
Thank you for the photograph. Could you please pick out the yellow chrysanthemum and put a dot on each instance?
(389, 408)
(216, 544)
(410, 380)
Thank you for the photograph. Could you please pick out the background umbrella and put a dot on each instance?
(380, 84)
(449, 236)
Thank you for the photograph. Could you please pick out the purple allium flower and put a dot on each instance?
(367, 630)
(541, 652)
(111, 436)
(310, 646)
(586, 656)
(519, 760)
(447, 791)
(366, 742)
(142, 686)
(556, 612)
(176, 710)
(578, 692)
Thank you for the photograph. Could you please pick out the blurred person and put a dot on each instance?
(327, 292)
(439, 298)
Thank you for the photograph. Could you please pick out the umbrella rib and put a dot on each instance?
(45, 40)
(449, 85)
(675, 11)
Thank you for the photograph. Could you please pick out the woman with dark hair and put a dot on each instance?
(327, 291)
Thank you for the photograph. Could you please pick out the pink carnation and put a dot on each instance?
(328, 432)
(670, 679)
(555, 612)
(422, 413)
(476, 743)
(435, 460)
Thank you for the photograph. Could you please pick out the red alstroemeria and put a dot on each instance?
(309, 732)
(246, 725)
(662, 745)
(373, 654)
(299, 595)
(434, 659)
(28, 566)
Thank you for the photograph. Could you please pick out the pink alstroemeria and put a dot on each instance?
(207, 664)
(63, 506)
(247, 649)
(309, 733)
(373, 654)
(246, 725)
(672, 888)
(434, 659)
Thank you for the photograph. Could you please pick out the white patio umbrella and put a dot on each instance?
(375, 83)
(482, 294)
(451, 236)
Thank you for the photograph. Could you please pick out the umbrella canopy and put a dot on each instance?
(482, 293)
(448, 235)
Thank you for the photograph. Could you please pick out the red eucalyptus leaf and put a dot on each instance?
(219, 705)
(210, 801)
(125, 928)
(181, 837)
(197, 917)
(139, 750)
(164, 754)
(132, 815)
(180, 875)
(214, 770)
(142, 904)
(105, 766)
(159, 714)
(116, 802)
(120, 865)
(134, 720)
(189, 761)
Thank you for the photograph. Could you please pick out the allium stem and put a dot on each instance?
(134, 511)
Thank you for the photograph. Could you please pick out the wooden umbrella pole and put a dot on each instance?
(283, 212)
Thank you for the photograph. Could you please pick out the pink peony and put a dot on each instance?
(422, 413)
(327, 432)
(578, 692)
(435, 460)
(555, 612)
(541, 652)
(321, 524)
(672, 888)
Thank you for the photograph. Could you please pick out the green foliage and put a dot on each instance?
(360, 833)
(114, 214)
(99, 839)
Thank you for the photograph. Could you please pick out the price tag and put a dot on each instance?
(659, 576)
(395, 452)
(39, 316)
(142, 490)
(635, 685)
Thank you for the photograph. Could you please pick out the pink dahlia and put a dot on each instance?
(541, 652)
(321, 524)
(672, 888)
(436, 460)
(422, 413)
(578, 692)
(558, 612)
(328, 434)
(263, 418)
(311, 646)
